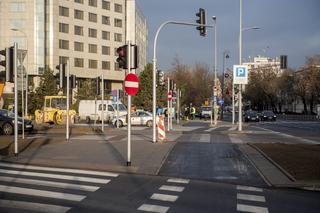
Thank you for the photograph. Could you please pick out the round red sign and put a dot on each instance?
(131, 84)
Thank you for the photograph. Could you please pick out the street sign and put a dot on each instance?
(131, 84)
(240, 74)
(221, 101)
(170, 95)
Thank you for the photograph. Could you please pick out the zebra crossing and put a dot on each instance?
(251, 199)
(47, 189)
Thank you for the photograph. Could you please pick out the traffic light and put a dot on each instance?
(123, 56)
(283, 62)
(202, 21)
(61, 74)
(73, 81)
(8, 62)
(160, 77)
(134, 57)
(98, 81)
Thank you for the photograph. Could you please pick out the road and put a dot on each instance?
(206, 171)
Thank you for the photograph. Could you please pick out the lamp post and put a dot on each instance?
(225, 56)
(214, 18)
(27, 80)
(240, 63)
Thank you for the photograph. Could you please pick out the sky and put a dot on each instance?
(287, 27)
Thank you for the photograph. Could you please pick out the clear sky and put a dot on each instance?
(290, 27)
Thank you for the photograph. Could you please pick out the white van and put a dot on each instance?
(90, 110)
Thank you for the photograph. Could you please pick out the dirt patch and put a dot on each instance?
(300, 160)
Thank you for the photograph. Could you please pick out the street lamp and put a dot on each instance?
(215, 72)
(27, 83)
(240, 63)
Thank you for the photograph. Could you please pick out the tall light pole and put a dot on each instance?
(240, 63)
(225, 56)
(215, 71)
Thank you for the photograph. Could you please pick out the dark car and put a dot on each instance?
(7, 123)
(268, 116)
(251, 116)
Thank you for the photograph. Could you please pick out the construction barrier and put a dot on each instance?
(161, 128)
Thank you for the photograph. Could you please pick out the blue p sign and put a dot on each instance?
(241, 72)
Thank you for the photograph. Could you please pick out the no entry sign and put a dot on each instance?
(131, 84)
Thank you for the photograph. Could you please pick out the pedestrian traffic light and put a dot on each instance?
(202, 21)
(73, 81)
(8, 62)
(160, 78)
(123, 56)
(98, 81)
(283, 62)
(61, 74)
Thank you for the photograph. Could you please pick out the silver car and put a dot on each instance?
(141, 118)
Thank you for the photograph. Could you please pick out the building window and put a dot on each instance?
(118, 37)
(117, 22)
(17, 7)
(118, 8)
(63, 28)
(106, 65)
(105, 20)
(93, 64)
(93, 3)
(116, 67)
(78, 46)
(63, 44)
(63, 11)
(78, 14)
(79, 1)
(105, 5)
(78, 62)
(93, 17)
(105, 35)
(63, 59)
(93, 48)
(78, 30)
(105, 50)
(17, 24)
(92, 33)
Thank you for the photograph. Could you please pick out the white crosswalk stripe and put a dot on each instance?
(55, 184)
(251, 200)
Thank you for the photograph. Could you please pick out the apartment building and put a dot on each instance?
(85, 32)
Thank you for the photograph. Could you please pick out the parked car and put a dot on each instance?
(7, 123)
(268, 116)
(251, 115)
(205, 112)
(143, 118)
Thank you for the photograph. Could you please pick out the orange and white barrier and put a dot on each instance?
(161, 128)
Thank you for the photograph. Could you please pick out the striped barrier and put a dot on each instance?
(161, 128)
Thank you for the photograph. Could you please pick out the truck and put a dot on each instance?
(90, 110)
(54, 111)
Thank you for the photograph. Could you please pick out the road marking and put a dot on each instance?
(209, 130)
(172, 188)
(178, 180)
(34, 207)
(235, 140)
(153, 208)
(205, 138)
(49, 183)
(42, 168)
(257, 198)
(253, 209)
(64, 177)
(249, 188)
(164, 197)
(233, 128)
(41, 193)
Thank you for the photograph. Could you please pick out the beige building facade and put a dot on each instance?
(85, 32)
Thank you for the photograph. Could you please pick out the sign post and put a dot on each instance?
(240, 76)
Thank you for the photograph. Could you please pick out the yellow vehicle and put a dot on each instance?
(54, 111)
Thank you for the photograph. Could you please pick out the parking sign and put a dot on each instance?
(240, 74)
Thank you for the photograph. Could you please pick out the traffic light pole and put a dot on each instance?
(129, 111)
(102, 103)
(68, 98)
(154, 74)
(15, 48)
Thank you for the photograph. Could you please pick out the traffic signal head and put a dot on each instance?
(8, 62)
(202, 21)
(160, 78)
(123, 56)
(283, 62)
(98, 80)
(73, 81)
(61, 74)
